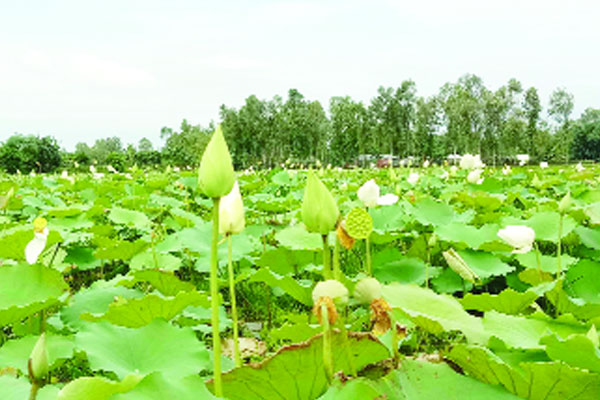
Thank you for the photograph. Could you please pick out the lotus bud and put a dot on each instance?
(458, 265)
(432, 240)
(216, 176)
(319, 210)
(231, 212)
(565, 203)
(38, 360)
(367, 290)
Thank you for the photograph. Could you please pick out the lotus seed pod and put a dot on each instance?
(367, 290)
(358, 223)
(39, 224)
(332, 289)
(319, 210)
(38, 360)
(216, 176)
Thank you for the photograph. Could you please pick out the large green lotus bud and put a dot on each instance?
(216, 176)
(319, 210)
(565, 203)
(38, 360)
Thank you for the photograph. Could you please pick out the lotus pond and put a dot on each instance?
(120, 287)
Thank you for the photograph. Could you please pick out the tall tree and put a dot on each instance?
(560, 109)
(349, 126)
(532, 109)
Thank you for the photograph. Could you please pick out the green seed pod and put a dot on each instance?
(367, 290)
(332, 289)
(319, 210)
(216, 176)
(358, 223)
(38, 360)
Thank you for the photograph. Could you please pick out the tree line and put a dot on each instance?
(463, 117)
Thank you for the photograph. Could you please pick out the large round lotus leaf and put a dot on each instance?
(158, 346)
(27, 289)
(97, 388)
(359, 223)
(296, 372)
(157, 387)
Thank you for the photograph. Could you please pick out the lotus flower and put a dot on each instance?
(368, 193)
(474, 177)
(413, 178)
(35, 247)
(543, 165)
(231, 212)
(520, 237)
(469, 161)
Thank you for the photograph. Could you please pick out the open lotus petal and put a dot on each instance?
(387, 199)
(519, 237)
(35, 247)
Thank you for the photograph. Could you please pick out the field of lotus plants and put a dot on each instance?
(416, 283)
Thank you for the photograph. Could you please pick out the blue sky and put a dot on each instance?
(83, 70)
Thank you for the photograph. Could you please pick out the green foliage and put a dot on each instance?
(29, 153)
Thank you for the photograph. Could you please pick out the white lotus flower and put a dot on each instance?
(112, 169)
(332, 289)
(413, 178)
(32, 173)
(506, 170)
(426, 164)
(469, 161)
(368, 193)
(445, 175)
(367, 290)
(387, 199)
(543, 165)
(231, 212)
(520, 237)
(579, 167)
(40, 235)
(523, 159)
(474, 177)
(453, 170)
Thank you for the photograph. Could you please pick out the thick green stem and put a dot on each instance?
(34, 389)
(234, 317)
(327, 356)
(558, 247)
(352, 370)
(214, 300)
(538, 259)
(326, 258)
(368, 251)
(337, 272)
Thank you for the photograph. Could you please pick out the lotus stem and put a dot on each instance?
(214, 300)
(558, 247)
(326, 258)
(327, 356)
(538, 259)
(337, 272)
(234, 316)
(368, 254)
